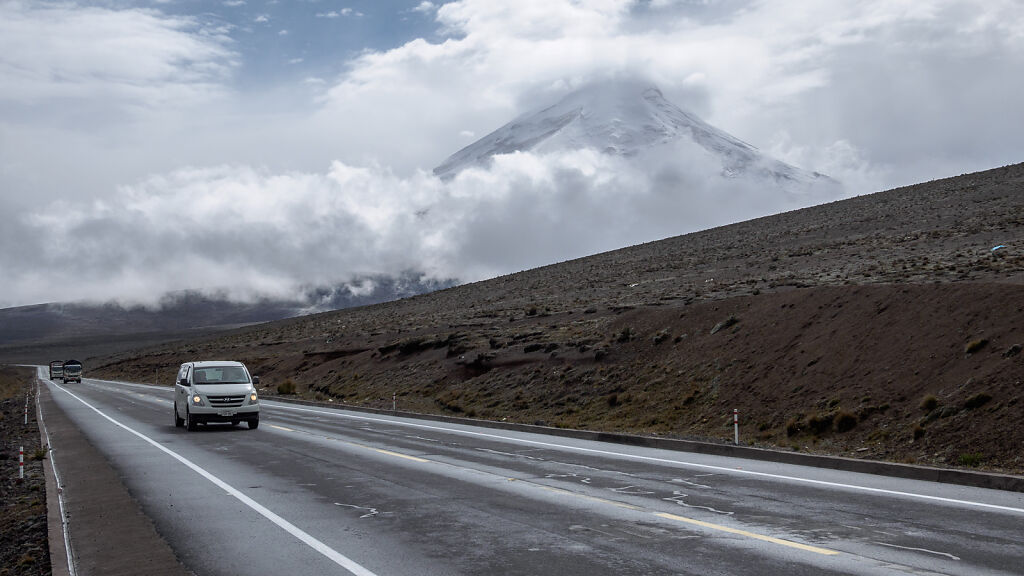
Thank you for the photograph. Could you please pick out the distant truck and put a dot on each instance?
(72, 371)
(57, 370)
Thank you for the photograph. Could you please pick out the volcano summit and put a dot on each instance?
(628, 119)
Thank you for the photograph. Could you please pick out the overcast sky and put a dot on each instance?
(262, 145)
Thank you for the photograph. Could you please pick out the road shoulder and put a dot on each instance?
(110, 535)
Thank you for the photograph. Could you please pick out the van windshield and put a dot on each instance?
(221, 375)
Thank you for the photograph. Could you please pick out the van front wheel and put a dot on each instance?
(254, 423)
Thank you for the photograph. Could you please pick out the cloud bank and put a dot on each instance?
(133, 162)
(248, 233)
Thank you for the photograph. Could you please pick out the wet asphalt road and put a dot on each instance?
(322, 491)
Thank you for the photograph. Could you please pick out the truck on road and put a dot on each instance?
(72, 371)
(57, 370)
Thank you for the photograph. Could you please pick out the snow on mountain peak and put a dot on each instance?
(622, 118)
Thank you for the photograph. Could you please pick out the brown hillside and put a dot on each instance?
(882, 326)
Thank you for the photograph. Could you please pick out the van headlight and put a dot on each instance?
(197, 400)
(252, 396)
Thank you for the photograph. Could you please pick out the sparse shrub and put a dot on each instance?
(975, 345)
(820, 423)
(977, 401)
(39, 454)
(793, 427)
(1012, 351)
(660, 336)
(625, 335)
(286, 387)
(972, 459)
(600, 353)
(918, 431)
(613, 400)
(845, 421)
(929, 403)
(531, 311)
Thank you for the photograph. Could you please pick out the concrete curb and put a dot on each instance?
(909, 471)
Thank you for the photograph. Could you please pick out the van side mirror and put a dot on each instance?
(183, 382)
(255, 380)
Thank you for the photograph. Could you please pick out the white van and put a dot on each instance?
(215, 392)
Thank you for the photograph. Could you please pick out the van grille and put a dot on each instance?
(226, 401)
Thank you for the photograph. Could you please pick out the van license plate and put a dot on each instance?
(226, 413)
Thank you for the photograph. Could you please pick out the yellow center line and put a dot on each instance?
(282, 428)
(390, 453)
(753, 535)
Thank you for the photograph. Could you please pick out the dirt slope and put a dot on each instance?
(882, 326)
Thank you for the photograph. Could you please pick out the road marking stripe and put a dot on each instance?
(753, 535)
(599, 500)
(59, 485)
(579, 495)
(356, 444)
(724, 469)
(399, 455)
(677, 518)
(332, 554)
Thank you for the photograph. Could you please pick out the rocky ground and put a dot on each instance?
(23, 530)
(882, 326)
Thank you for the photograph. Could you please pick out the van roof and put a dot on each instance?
(206, 363)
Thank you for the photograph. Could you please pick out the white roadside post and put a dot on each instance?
(21, 463)
(394, 401)
(26, 409)
(736, 426)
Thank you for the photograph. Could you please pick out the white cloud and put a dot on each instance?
(251, 232)
(339, 13)
(876, 93)
(820, 72)
(108, 57)
(425, 7)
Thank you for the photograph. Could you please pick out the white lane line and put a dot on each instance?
(725, 469)
(950, 556)
(330, 553)
(56, 479)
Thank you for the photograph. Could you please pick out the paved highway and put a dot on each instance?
(324, 491)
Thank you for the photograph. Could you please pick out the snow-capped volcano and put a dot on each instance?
(623, 119)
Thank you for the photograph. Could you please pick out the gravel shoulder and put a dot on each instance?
(110, 535)
(24, 550)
